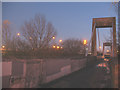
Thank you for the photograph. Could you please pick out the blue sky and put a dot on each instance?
(71, 20)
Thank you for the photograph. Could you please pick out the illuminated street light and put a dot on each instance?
(100, 47)
(18, 34)
(60, 41)
(107, 50)
(58, 47)
(30, 38)
(90, 53)
(54, 46)
(84, 42)
(53, 37)
(3, 46)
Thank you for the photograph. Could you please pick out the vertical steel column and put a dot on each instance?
(94, 52)
(103, 48)
(114, 38)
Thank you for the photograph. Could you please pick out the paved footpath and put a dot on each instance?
(95, 76)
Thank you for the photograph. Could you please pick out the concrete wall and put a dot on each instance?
(6, 73)
(33, 73)
(5, 81)
(17, 68)
(54, 66)
(57, 68)
(30, 73)
(12, 71)
(6, 68)
(26, 73)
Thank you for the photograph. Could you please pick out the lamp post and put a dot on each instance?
(3, 46)
(84, 43)
(60, 41)
(53, 37)
(100, 47)
(58, 47)
(3, 49)
(18, 34)
(53, 46)
(18, 38)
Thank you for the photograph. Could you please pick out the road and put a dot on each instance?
(95, 76)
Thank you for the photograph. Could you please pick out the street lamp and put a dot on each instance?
(53, 46)
(99, 47)
(117, 51)
(53, 37)
(30, 38)
(58, 47)
(84, 42)
(107, 50)
(60, 41)
(3, 46)
(18, 34)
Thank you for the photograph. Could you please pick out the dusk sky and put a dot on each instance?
(71, 20)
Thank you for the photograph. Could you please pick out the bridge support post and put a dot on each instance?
(114, 39)
(94, 51)
(103, 49)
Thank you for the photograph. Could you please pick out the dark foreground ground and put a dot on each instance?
(97, 75)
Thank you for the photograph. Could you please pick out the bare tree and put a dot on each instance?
(38, 33)
(19, 44)
(72, 46)
(6, 34)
